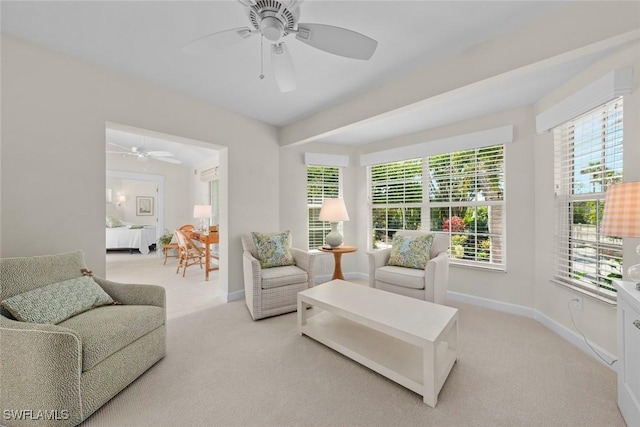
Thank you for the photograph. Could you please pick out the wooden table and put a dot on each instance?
(337, 256)
(207, 240)
(410, 341)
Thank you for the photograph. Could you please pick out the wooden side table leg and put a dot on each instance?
(207, 258)
(337, 270)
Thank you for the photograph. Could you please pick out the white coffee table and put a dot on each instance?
(409, 341)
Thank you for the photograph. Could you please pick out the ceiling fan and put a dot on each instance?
(143, 156)
(274, 20)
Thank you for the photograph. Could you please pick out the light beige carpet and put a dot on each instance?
(223, 369)
(184, 294)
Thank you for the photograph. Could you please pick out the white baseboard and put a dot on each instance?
(576, 339)
(506, 307)
(569, 335)
(234, 296)
(347, 276)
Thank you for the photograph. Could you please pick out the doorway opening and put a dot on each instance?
(154, 181)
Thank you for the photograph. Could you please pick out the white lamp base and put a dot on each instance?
(334, 238)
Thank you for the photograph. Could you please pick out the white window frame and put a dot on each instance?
(497, 261)
(425, 205)
(326, 226)
(573, 245)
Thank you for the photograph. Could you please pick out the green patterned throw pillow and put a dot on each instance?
(411, 251)
(57, 302)
(113, 222)
(273, 249)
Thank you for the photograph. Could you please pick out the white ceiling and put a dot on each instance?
(143, 39)
(189, 154)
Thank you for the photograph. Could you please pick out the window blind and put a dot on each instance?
(323, 182)
(396, 199)
(466, 201)
(588, 158)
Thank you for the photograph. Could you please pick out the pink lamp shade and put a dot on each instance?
(622, 210)
(622, 217)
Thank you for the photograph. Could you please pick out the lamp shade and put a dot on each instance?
(622, 210)
(333, 210)
(202, 211)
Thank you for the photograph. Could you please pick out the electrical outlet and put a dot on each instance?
(577, 302)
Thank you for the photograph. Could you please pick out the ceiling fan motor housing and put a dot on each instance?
(273, 19)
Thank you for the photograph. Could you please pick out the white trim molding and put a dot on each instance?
(485, 138)
(569, 335)
(608, 87)
(320, 159)
(235, 296)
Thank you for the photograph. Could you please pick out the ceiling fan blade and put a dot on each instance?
(283, 69)
(120, 146)
(337, 40)
(120, 152)
(159, 154)
(168, 160)
(215, 41)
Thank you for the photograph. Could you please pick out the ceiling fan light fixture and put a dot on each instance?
(272, 29)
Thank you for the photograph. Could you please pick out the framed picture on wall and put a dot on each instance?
(144, 206)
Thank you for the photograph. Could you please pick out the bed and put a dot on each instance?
(130, 236)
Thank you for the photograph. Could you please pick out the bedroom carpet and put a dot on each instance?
(223, 369)
(184, 294)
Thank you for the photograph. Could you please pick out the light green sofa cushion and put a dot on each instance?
(56, 302)
(105, 330)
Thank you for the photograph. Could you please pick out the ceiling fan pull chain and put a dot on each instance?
(261, 57)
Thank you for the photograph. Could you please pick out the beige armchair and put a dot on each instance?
(70, 369)
(272, 291)
(429, 284)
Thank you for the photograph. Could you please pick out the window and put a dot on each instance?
(323, 182)
(460, 194)
(588, 158)
(466, 200)
(396, 196)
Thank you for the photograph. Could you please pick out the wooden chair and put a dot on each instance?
(188, 253)
(174, 245)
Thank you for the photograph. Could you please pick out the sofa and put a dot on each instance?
(59, 374)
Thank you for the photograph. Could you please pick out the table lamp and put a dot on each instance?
(202, 212)
(622, 218)
(333, 210)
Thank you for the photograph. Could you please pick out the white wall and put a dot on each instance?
(514, 286)
(529, 200)
(293, 202)
(52, 180)
(131, 190)
(597, 320)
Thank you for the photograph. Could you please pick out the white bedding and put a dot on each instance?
(131, 238)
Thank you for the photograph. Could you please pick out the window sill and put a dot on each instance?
(492, 268)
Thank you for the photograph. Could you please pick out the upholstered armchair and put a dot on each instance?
(69, 369)
(272, 291)
(429, 284)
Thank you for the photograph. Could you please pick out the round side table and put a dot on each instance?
(337, 256)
